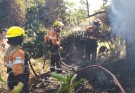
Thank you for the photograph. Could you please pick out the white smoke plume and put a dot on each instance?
(122, 17)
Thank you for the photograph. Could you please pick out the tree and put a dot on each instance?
(75, 15)
(54, 10)
(11, 13)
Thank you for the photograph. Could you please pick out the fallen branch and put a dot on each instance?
(96, 14)
(112, 75)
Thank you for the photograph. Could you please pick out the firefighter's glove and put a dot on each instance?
(58, 43)
(18, 88)
(60, 48)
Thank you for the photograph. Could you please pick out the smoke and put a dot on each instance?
(122, 18)
(123, 21)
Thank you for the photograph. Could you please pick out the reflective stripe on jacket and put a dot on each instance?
(14, 59)
(53, 36)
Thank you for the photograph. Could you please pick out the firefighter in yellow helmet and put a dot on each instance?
(53, 38)
(14, 61)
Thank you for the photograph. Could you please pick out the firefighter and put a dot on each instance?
(91, 36)
(53, 39)
(14, 61)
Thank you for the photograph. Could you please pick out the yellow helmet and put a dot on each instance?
(58, 23)
(14, 32)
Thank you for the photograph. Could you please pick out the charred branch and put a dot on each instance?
(101, 12)
(111, 74)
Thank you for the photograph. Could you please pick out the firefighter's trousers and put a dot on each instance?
(91, 49)
(55, 59)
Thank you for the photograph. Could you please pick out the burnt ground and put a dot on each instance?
(96, 80)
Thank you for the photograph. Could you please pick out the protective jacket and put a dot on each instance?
(14, 59)
(91, 32)
(53, 36)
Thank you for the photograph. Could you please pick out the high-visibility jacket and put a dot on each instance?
(91, 32)
(14, 59)
(53, 36)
